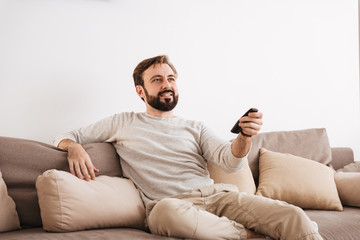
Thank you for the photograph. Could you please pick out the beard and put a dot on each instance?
(155, 101)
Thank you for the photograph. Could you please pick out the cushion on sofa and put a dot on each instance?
(309, 143)
(296, 180)
(243, 178)
(68, 203)
(9, 219)
(347, 184)
(22, 161)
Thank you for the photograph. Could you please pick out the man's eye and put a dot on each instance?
(157, 79)
(172, 79)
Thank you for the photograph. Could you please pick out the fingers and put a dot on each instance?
(255, 115)
(251, 124)
(91, 170)
(80, 164)
(83, 169)
(78, 171)
(71, 167)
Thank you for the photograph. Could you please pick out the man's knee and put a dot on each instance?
(173, 217)
(295, 212)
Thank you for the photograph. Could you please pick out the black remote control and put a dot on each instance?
(236, 128)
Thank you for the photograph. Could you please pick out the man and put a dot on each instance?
(166, 158)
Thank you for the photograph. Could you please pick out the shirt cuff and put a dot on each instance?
(58, 139)
(238, 163)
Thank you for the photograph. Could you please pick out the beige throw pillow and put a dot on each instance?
(243, 178)
(296, 180)
(9, 219)
(308, 143)
(347, 184)
(68, 203)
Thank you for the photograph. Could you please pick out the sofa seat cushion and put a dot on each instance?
(9, 219)
(296, 180)
(95, 234)
(68, 203)
(335, 225)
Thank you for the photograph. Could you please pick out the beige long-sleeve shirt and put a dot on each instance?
(162, 156)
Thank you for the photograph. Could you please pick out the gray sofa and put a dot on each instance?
(22, 161)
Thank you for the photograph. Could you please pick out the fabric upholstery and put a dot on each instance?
(347, 184)
(296, 180)
(341, 156)
(68, 203)
(243, 178)
(336, 225)
(352, 167)
(22, 161)
(93, 234)
(308, 143)
(9, 219)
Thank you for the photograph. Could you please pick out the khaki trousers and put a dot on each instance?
(221, 212)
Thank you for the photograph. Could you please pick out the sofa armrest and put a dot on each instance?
(341, 156)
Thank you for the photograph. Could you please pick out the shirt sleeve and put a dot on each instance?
(218, 151)
(104, 130)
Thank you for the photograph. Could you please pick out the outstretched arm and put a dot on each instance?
(251, 126)
(79, 160)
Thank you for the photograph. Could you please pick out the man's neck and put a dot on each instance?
(162, 114)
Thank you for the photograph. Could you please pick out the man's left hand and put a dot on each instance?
(251, 124)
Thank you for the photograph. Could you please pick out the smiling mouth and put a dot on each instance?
(166, 94)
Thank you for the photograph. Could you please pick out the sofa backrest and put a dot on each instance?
(22, 161)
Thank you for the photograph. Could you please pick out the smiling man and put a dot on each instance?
(160, 93)
(166, 157)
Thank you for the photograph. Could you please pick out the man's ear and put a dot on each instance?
(140, 91)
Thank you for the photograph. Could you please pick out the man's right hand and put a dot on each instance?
(79, 160)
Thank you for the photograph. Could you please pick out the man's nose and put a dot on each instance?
(166, 85)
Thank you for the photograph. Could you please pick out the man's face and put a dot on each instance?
(160, 87)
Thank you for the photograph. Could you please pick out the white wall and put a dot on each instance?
(67, 63)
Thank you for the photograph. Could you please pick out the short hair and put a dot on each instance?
(145, 64)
